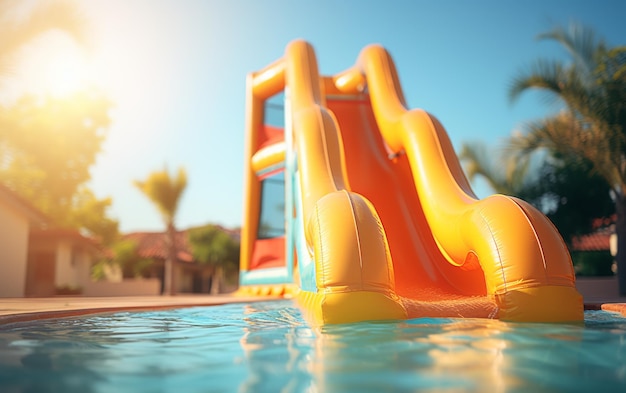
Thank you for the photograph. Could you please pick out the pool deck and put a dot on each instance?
(14, 310)
(617, 305)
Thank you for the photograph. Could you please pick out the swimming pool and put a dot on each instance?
(267, 347)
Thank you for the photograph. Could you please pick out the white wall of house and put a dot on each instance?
(134, 287)
(13, 252)
(73, 266)
(83, 260)
(65, 272)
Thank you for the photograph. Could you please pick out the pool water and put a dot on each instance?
(267, 347)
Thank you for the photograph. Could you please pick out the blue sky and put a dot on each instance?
(176, 71)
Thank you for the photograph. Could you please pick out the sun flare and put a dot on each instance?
(57, 67)
(62, 74)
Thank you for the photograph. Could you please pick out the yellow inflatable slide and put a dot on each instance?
(360, 209)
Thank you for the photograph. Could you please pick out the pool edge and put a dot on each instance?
(19, 310)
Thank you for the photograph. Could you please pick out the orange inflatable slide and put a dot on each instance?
(360, 209)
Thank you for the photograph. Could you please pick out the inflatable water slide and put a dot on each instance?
(359, 207)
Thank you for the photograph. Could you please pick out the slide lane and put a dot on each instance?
(526, 266)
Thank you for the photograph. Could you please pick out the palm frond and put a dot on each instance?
(496, 170)
(576, 83)
(569, 136)
(549, 76)
(164, 191)
(580, 42)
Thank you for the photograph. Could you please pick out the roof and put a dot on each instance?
(597, 241)
(153, 244)
(57, 234)
(21, 205)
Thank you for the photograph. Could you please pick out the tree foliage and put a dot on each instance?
(503, 174)
(571, 194)
(50, 144)
(164, 191)
(592, 125)
(126, 256)
(91, 213)
(566, 189)
(47, 147)
(592, 87)
(211, 245)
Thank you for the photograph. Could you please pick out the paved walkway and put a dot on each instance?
(25, 309)
(28, 309)
(617, 304)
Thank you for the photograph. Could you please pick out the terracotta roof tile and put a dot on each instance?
(153, 245)
(597, 241)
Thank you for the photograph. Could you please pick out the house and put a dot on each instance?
(59, 262)
(593, 258)
(40, 260)
(600, 240)
(191, 276)
(36, 259)
(592, 254)
(17, 217)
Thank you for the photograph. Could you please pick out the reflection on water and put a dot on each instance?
(474, 355)
(267, 347)
(278, 347)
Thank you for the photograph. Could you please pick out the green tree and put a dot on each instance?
(126, 256)
(90, 213)
(571, 194)
(123, 253)
(213, 246)
(47, 147)
(592, 124)
(565, 189)
(165, 192)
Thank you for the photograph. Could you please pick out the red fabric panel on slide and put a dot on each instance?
(269, 135)
(268, 253)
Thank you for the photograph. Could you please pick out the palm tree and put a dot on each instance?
(592, 123)
(503, 174)
(165, 192)
(16, 31)
(564, 188)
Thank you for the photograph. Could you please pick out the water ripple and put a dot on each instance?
(267, 347)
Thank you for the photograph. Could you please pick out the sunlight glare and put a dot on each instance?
(54, 66)
(63, 74)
